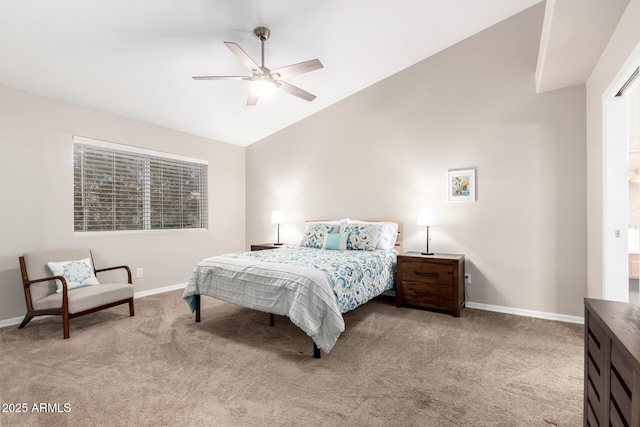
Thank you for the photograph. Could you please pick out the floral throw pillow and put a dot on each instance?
(78, 273)
(316, 233)
(362, 237)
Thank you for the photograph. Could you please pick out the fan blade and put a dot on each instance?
(244, 58)
(252, 100)
(220, 78)
(295, 69)
(295, 91)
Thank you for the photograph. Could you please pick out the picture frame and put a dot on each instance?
(461, 185)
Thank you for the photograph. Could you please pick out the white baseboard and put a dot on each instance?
(160, 290)
(17, 320)
(528, 313)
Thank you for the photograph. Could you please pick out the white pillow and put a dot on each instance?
(340, 222)
(78, 273)
(388, 234)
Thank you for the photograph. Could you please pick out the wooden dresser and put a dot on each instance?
(431, 281)
(611, 363)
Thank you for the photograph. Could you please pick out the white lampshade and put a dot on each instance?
(263, 87)
(427, 217)
(277, 217)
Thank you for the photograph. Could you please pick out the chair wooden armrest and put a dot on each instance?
(115, 268)
(46, 279)
(27, 282)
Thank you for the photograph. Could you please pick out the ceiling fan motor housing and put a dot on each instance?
(262, 33)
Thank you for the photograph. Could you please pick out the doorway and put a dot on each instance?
(633, 94)
(621, 196)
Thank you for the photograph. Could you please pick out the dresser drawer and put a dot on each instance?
(620, 399)
(427, 272)
(621, 385)
(427, 295)
(622, 366)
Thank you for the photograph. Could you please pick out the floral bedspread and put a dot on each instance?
(356, 276)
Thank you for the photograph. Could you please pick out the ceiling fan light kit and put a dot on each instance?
(265, 82)
(263, 87)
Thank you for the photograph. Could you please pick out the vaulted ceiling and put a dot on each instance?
(574, 34)
(136, 58)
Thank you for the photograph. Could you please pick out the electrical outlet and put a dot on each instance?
(467, 279)
(139, 273)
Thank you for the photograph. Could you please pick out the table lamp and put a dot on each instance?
(427, 218)
(277, 217)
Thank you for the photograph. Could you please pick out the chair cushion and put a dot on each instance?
(81, 299)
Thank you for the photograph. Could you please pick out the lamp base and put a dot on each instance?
(427, 253)
(278, 244)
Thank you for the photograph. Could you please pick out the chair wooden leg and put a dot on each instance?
(65, 324)
(131, 310)
(26, 320)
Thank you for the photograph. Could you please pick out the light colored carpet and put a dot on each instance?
(392, 366)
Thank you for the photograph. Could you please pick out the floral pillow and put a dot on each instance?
(388, 232)
(362, 237)
(77, 273)
(316, 233)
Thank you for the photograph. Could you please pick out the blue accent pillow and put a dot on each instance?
(336, 241)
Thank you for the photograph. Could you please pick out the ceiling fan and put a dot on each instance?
(264, 82)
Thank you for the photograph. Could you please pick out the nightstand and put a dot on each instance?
(431, 281)
(265, 246)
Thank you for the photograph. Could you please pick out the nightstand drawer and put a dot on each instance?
(428, 295)
(427, 272)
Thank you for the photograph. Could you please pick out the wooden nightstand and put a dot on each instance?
(265, 246)
(431, 281)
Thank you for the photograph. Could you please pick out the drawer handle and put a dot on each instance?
(427, 294)
(422, 273)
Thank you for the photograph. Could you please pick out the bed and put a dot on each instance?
(338, 266)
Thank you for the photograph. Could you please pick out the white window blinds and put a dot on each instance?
(117, 187)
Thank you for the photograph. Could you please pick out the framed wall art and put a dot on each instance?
(461, 185)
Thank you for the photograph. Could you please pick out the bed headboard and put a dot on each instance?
(398, 245)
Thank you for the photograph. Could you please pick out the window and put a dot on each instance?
(117, 187)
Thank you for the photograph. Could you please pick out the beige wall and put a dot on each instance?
(624, 41)
(37, 194)
(384, 153)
